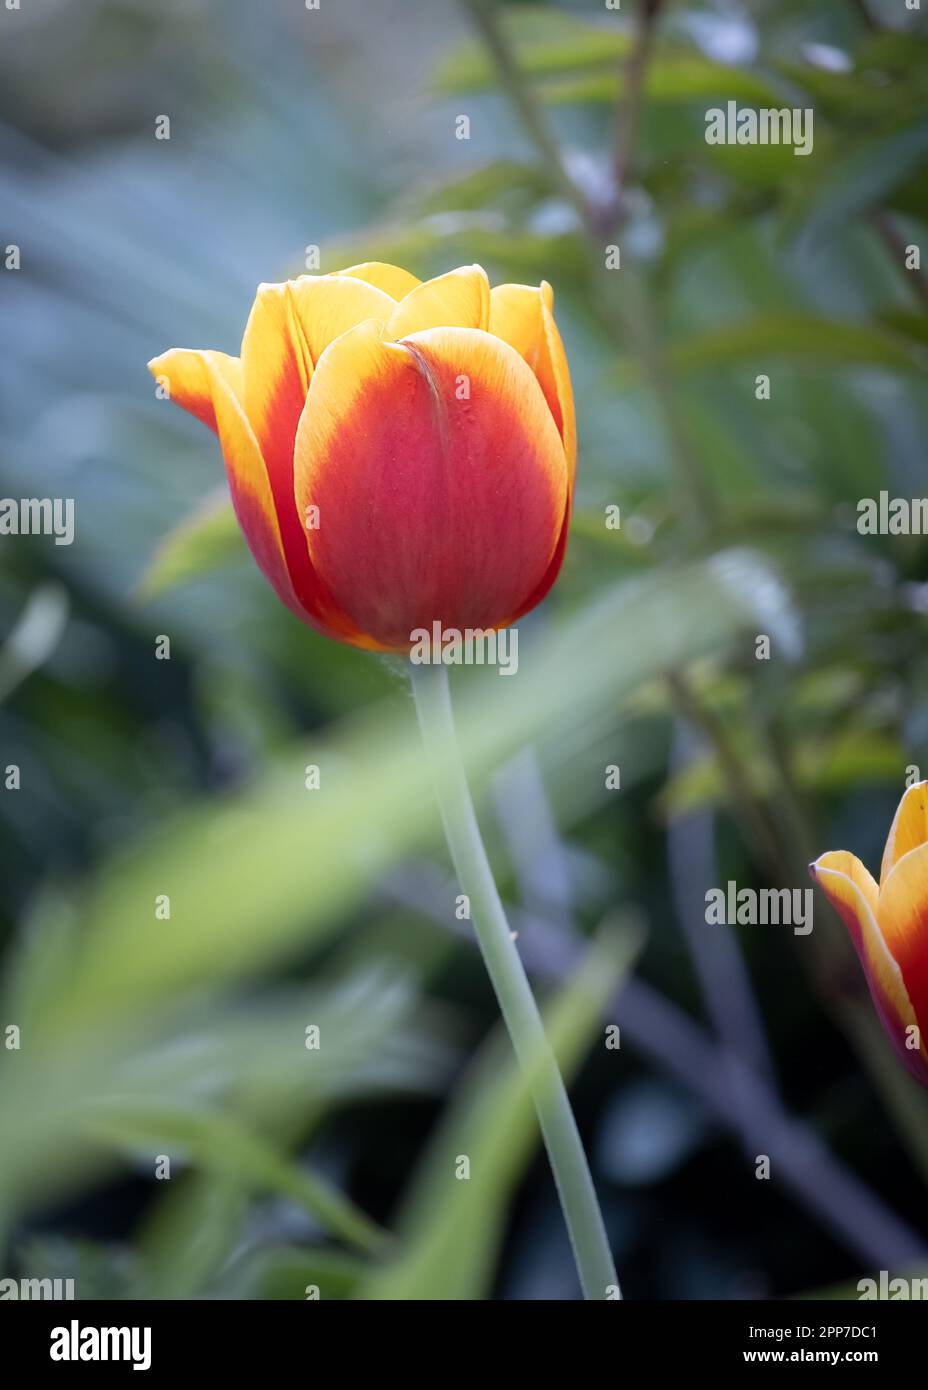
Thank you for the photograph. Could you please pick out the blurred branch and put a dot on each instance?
(724, 982)
(628, 111)
(485, 18)
(864, 11)
(796, 828)
(761, 831)
(816, 1177)
(629, 316)
(896, 246)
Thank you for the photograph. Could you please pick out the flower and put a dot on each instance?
(399, 453)
(889, 925)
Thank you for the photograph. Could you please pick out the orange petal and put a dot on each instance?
(289, 328)
(853, 893)
(522, 316)
(276, 367)
(202, 383)
(205, 384)
(460, 299)
(551, 573)
(909, 828)
(189, 380)
(390, 278)
(903, 918)
(435, 505)
(328, 305)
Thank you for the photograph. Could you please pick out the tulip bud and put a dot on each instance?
(889, 925)
(399, 453)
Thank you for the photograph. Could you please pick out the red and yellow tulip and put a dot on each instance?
(888, 923)
(398, 452)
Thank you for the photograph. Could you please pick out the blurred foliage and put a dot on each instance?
(293, 1167)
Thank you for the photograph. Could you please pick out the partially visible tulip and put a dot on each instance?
(889, 925)
(398, 452)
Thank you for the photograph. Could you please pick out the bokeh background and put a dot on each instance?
(143, 1039)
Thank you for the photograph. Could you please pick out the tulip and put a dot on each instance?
(399, 453)
(889, 925)
(401, 456)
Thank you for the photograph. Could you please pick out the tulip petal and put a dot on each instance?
(202, 382)
(852, 891)
(522, 316)
(289, 328)
(460, 299)
(276, 367)
(551, 573)
(390, 278)
(903, 919)
(208, 384)
(909, 828)
(433, 506)
(328, 305)
(189, 379)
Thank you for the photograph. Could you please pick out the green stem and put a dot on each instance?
(513, 992)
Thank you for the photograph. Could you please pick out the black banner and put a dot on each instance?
(700, 1338)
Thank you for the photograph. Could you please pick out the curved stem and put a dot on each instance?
(507, 974)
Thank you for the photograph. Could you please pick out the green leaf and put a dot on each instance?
(904, 321)
(675, 77)
(257, 877)
(209, 537)
(216, 1142)
(247, 1062)
(863, 175)
(189, 1234)
(574, 59)
(546, 41)
(450, 1230)
(285, 1272)
(886, 84)
(502, 181)
(796, 335)
(232, 866)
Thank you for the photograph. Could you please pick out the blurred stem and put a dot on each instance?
(510, 983)
(895, 245)
(628, 111)
(864, 11)
(760, 829)
(518, 90)
(798, 835)
(628, 314)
